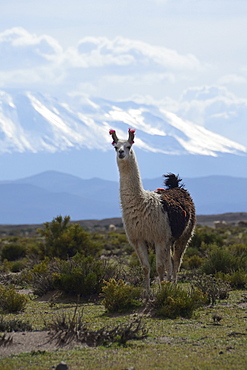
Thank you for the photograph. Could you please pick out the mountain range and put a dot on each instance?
(56, 157)
(42, 197)
(40, 133)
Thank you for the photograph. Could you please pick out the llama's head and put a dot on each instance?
(123, 147)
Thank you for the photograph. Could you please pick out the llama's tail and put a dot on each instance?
(173, 181)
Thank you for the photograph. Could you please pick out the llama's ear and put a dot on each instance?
(114, 136)
(131, 135)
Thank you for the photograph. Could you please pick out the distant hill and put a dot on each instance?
(40, 198)
(106, 223)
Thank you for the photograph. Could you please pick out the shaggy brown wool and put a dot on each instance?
(179, 207)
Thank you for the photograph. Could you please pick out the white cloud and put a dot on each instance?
(205, 93)
(125, 52)
(215, 108)
(37, 78)
(21, 50)
(29, 61)
(120, 67)
(97, 65)
(233, 79)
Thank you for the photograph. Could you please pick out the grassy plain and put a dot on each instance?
(196, 343)
(215, 337)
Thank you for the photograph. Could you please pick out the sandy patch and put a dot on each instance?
(30, 341)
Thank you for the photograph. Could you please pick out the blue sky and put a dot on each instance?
(189, 55)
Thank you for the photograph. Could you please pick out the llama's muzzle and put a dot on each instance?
(121, 154)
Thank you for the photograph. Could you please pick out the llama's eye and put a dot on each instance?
(128, 147)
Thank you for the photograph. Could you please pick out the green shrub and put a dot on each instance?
(64, 240)
(34, 252)
(118, 296)
(113, 241)
(78, 275)
(214, 288)
(13, 252)
(14, 325)
(10, 300)
(82, 275)
(76, 282)
(192, 263)
(239, 252)
(192, 251)
(237, 279)
(172, 301)
(205, 236)
(5, 266)
(17, 266)
(41, 276)
(219, 260)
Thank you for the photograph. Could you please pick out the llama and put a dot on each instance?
(162, 220)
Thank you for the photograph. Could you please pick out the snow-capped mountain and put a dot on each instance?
(31, 123)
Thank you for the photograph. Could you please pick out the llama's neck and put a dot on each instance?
(130, 180)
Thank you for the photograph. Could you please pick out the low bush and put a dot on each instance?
(14, 325)
(41, 276)
(219, 260)
(119, 296)
(13, 252)
(192, 263)
(17, 266)
(171, 301)
(205, 236)
(4, 267)
(114, 243)
(11, 301)
(237, 279)
(79, 275)
(82, 275)
(239, 252)
(214, 288)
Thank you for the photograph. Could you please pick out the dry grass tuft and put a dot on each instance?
(66, 328)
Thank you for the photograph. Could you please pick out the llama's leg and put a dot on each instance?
(180, 247)
(168, 264)
(160, 261)
(163, 261)
(179, 250)
(142, 252)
